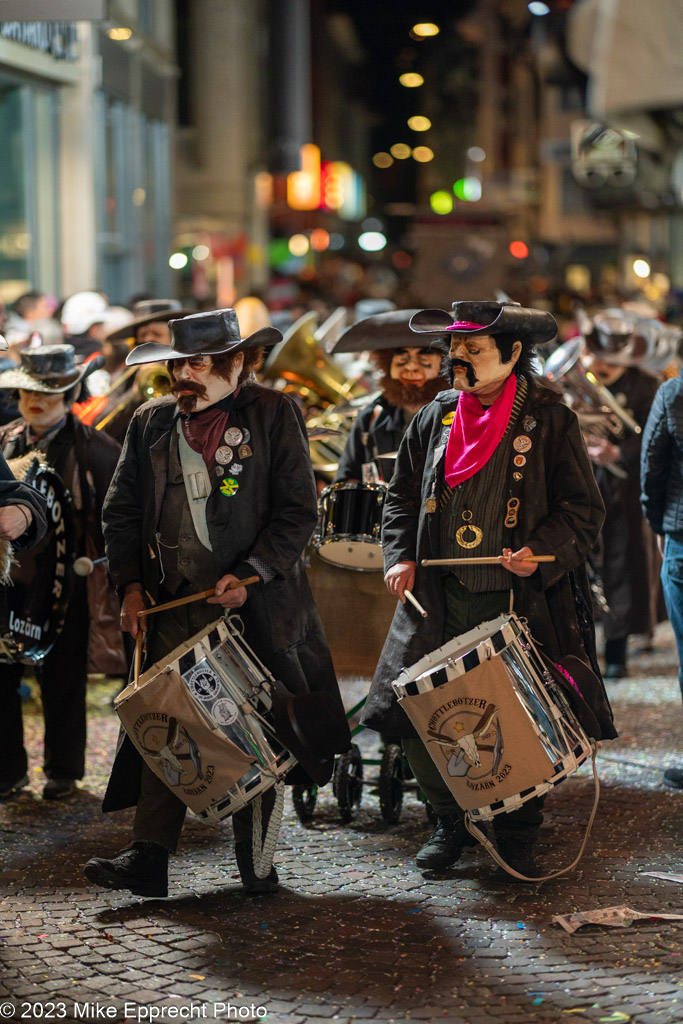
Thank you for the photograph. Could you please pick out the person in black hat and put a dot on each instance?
(48, 382)
(214, 486)
(409, 379)
(128, 391)
(495, 466)
(616, 346)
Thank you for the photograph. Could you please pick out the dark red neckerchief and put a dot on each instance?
(204, 430)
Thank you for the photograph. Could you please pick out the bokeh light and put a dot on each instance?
(641, 268)
(178, 260)
(418, 123)
(320, 239)
(382, 159)
(441, 202)
(400, 151)
(411, 80)
(201, 252)
(476, 153)
(372, 241)
(423, 154)
(425, 29)
(518, 249)
(298, 245)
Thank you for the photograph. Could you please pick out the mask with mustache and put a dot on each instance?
(467, 367)
(406, 396)
(187, 402)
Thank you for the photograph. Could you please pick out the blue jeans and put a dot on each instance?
(672, 584)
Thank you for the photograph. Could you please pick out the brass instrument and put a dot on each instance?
(151, 381)
(300, 362)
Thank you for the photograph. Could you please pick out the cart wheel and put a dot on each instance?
(348, 776)
(391, 775)
(304, 799)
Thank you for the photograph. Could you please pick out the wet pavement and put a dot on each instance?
(356, 932)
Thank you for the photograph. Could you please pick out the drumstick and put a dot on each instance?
(138, 655)
(196, 597)
(483, 561)
(416, 604)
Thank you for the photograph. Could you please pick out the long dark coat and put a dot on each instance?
(628, 563)
(270, 516)
(378, 428)
(560, 513)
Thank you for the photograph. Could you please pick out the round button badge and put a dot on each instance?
(223, 455)
(522, 443)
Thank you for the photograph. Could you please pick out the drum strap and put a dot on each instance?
(197, 486)
(490, 848)
(263, 849)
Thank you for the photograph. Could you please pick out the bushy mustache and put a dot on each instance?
(467, 367)
(188, 385)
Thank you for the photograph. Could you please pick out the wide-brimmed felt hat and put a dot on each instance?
(381, 331)
(50, 369)
(149, 311)
(618, 337)
(312, 726)
(203, 334)
(485, 317)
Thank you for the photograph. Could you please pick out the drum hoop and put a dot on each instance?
(352, 485)
(480, 648)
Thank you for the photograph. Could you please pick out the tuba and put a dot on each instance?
(300, 366)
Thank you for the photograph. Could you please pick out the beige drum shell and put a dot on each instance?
(356, 611)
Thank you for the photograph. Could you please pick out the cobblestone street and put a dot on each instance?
(356, 932)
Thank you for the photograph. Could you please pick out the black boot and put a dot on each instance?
(253, 885)
(142, 868)
(517, 851)
(445, 845)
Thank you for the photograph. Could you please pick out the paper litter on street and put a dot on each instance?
(663, 874)
(616, 917)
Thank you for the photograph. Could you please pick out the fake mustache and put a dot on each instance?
(178, 387)
(467, 367)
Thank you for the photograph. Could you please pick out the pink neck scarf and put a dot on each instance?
(476, 432)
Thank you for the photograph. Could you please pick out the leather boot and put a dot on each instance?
(142, 868)
(253, 885)
(444, 846)
(517, 851)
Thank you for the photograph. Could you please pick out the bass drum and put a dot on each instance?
(42, 577)
(356, 611)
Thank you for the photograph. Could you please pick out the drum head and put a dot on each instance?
(42, 577)
(363, 554)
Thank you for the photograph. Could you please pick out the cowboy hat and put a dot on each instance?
(532, 325)
(312, 726)
(50, 369)
(617, 337)
(380, 331)
(203, 334)
(149, 311)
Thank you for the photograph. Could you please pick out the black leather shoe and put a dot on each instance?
(10, 789)
(58, 789)
(253, 885)
(446, 843)
(518, 853)
(674, 777)
(141, 868)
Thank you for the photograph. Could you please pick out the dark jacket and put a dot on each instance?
(560, 513)
(378, 428)
(270, 517)
(13, 492)
(661, 463)
(85, 459)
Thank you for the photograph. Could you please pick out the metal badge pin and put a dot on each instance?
(236, 468)
(233, 436)
(522, 443)
(244, 451)
(529, 423)
(448, 419)
(519, 460)
(229, 487)
(223, 455)
(516, 476)
(512, 513)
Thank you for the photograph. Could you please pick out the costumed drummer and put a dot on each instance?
(496, 466)
(214, 485)
(48, 382)
(409, 379)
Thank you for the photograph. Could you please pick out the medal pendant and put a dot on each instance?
(469, 536)
(430, 506)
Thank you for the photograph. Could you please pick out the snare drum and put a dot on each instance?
(495, 722)
(200, 719)
(349, 525)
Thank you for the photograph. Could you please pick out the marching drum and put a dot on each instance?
(42, 576)
(349, 525)
(200, 719)
(496, 723)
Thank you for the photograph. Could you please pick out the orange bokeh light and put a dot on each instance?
(320, 239)
(520, 250)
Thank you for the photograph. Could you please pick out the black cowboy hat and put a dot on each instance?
(532, 325)
(312, 726)
(618, 337)
(50, 369)
(203, 334)
(380, 331)
(149, 311)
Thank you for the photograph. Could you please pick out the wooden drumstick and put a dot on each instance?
(138, 656)
(196, 597)
(415, 603)
(484, 561)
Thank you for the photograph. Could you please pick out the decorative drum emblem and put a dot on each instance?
(204, 683)
(225, 711)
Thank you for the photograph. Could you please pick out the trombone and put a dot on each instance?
(151, 381)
